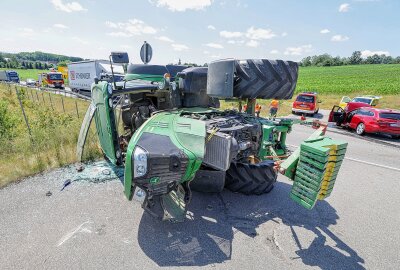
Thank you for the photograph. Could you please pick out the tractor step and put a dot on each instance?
(317, 169)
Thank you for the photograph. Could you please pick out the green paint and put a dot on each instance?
(154, 180)
(104, 119)
(185, 133)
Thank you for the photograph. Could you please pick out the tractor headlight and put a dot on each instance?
(139, 162)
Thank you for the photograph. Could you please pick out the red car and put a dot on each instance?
(366, 119)
(306, 103)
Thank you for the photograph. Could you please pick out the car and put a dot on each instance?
(30, 82)
(306, 103)
(366, 119)
(368, 99)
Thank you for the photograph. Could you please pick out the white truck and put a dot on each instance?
(82, 74)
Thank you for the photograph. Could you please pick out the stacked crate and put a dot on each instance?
(317, 169)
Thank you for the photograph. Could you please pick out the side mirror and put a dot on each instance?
(96, 80)
(120, 57)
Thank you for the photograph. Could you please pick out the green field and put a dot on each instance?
(360, 79)
(26, 73)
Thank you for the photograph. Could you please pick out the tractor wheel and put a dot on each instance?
(251, 179)
(360, 129)
(265, 79)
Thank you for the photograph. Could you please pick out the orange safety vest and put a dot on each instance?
(274, 103)
(258, 108)
(245, 107)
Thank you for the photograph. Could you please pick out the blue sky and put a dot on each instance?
(201, 30)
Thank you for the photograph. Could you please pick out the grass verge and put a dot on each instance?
(55, 131)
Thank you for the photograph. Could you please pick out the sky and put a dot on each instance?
(200, 31)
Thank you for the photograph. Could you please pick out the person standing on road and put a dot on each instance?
(258, 110)
(273, 108)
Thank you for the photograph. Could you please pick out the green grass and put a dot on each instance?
(54, 133)
(26, 73)
(347, 80)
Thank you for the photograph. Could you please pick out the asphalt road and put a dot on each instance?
(90, 225)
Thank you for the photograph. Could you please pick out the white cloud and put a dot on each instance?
(61, 26)
(325, 31)
(164, 38)
(179, 47)
(214, 45)
(252, 43)
(228, 34)
(339, 38)
(344, 7)
(298, 50)
(274, 52)
(259, 33)
(367, 53)
(231, 41)
(132, 27)
(26, 32)
(126, 47)
(284, 34)
(119, 34)
(81, 41)
(182, 5)
(211, 27)
(67, 7)
(206, 52)
(216, 56)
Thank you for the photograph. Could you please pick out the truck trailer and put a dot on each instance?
(82, 74)
(9, 76)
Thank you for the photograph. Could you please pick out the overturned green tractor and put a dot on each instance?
(162, 124)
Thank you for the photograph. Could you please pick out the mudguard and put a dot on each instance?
(84, 131)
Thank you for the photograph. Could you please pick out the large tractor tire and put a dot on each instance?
(266, 79)
(251, 179)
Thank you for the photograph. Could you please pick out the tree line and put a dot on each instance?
(356, 58)
(34, 60)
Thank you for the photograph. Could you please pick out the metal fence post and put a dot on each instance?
(51, 102)
(62, 101)
(23, 112)
(43, 98)
(32, 95)
(37, 97)
(76, 106)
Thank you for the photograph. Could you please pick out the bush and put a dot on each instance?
(7, 122)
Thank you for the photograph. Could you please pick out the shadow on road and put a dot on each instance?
(206, 236)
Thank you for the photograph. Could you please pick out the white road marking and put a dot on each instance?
(362, 161)
(373, 164)
(73, 232)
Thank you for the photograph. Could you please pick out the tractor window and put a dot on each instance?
(303, 98)
(394, 116)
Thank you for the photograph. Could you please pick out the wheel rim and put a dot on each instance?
(360, 128)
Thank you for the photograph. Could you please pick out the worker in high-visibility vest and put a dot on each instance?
(273, 108)
(258, 110)
(244, 107)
